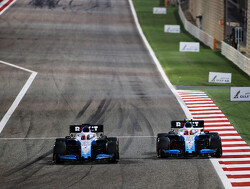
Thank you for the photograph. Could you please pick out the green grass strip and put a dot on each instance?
(191, 68)
(238, 113)
(183, 68)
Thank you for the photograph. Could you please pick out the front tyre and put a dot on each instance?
(215, 143)
(59, 149)
(163, 143)
(218, 153)
(56, 159)
(113, 149)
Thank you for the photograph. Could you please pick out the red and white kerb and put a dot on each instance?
(234, 165)
(5, 4)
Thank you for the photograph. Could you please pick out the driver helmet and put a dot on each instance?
(188, 124)
(85, 129)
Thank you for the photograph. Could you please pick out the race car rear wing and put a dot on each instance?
(180, 124)
(93, 128)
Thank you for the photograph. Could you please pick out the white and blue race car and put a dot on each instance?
(84, 144)
(191, 140)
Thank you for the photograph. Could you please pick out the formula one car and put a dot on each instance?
(191, 140)
(84, 144)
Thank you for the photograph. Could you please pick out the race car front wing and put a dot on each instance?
(176, 152)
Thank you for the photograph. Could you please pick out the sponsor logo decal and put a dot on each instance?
(157, 10)
(246, 95)
(237, 94)
(172, 29)
(217, 77)
(240, 93)
(213, 80)
(189, 47)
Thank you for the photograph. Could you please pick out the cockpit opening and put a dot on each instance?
(85, 129)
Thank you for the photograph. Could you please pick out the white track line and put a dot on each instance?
(226, 182)
(53, 138)
(15, 66)
(235, 148)
(237, 173)
(236, 153)
(234, 159)
(234, 142)
(239, 180)
(209, 115)
(237, 166)
(226, 127)
(219, 123)
(45, 138)
(156, 61)
(19, 97)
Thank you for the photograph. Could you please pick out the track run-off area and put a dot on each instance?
(5, 4)
(88, 62)
(234, 165)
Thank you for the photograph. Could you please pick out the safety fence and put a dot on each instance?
(228, 51)
(197, 32)
(236, 57)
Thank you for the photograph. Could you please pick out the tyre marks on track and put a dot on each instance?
(234, 165)
(80, 114)
(27, 165)
(98, 116)
(72, 5)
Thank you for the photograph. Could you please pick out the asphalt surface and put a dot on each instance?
(92, 68)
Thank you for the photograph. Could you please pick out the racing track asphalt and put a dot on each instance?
(92, 68)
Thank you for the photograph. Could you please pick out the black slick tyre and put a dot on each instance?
(59, 149)
(215, 143)
(159, 135)
(163, 143)
(113, 149)
(114, 139)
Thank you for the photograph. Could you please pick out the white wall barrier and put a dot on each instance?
(228, 51)
(236, 57)
(197, 32)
